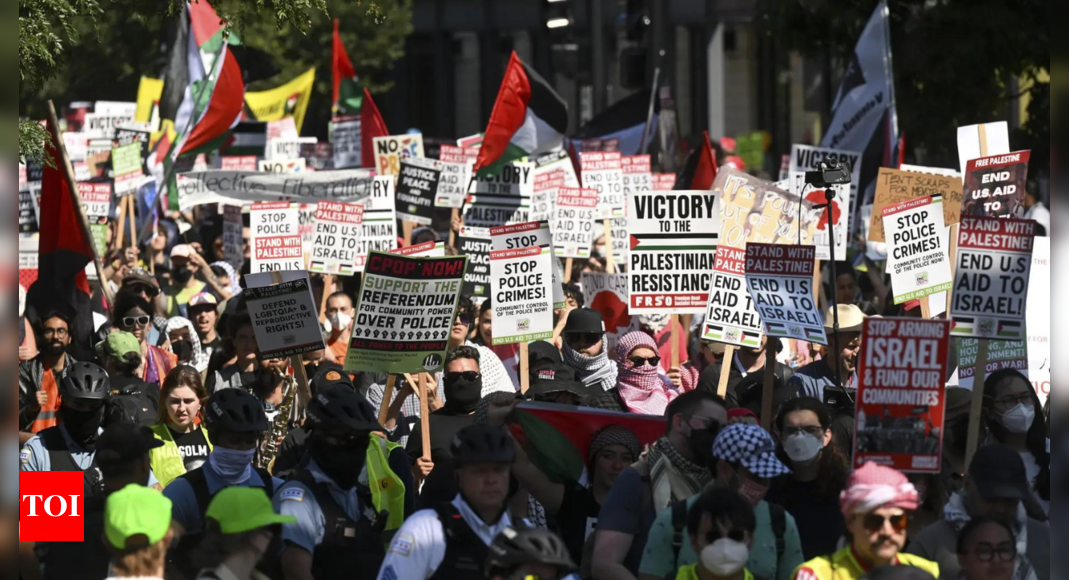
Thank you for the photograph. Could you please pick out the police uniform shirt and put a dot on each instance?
(185, 510)
(295, 499)
(418, 549)
(34, 456)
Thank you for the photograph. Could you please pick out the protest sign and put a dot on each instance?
(284, 315)
(620, 240)
(754, 210)
(991, 277)
(389, 151)
(453, 182)
(976, 141)
(77, 146)
(918, 261)
(513, 180)
(1001, 354)
(995, 186)
(276, 237)
(664, 181)
(573, 224)
(96, 200)
(285, 128)
(287, 149)
(521, 273)
(242, 188)
(28, 204)
(239, 163)
(934, 170)
(28, 259)
(338, 227)
(673, 241)
(894, 187)
(1038, 319)
(607, 293)
(780, 281)
(346, 143)
(453, 154)
(417, 185)
(533, 234)
(902, 394)
(603, 172)
(730, 316)
(475, 244)
(126, 168)
(489, 211)
(233, 237)
(379, 230)
(637, 175)
(424, 250)
(552, 171)
(404, 314)
(284, 166)
(805, 158)
(102, 125)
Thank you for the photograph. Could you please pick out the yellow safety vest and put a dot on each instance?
(167, 463)
(387, 489)
(844, 565)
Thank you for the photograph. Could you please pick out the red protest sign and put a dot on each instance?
(994, 186)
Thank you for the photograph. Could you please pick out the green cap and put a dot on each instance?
(244, 509)
(136, 517)
(118, 345)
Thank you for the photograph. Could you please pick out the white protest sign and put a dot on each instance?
(347, 152)
(425, 250)
(806, 158)
(233, 237)
(417, 186)
(673, 236)
(77, 146)
(102, 125)
(1038, 319)
(918, 262)
(298, 165)
(492, 211)
(338, 227)
(514, 180)
(242, 187)
(285, 149)
(780, 281)
(552, 171)
(603, 172)
(637, 173)
(96, 200)
(522, 285)
(573, 224)
(379, 230)
(534, 234)
(239, 163)
(621, 241)
(976, 141)
(607, 293)
(284, 316)
(276, 237)
(453, 184)
(284, 128)
(730, 317)
(115, 108)
(389, 151)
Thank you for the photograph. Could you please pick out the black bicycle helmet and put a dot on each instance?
(235, 411)
(85, 382)
(483, 443)
(339, 408)
(512, 549)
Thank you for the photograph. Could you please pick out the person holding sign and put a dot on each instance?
(463, 390)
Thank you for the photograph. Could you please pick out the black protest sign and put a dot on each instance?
(417, 185)
(475, 243)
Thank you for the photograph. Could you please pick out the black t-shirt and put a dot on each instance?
(710, 379)
(443, 429)
(820, 521)
(193, 447)
(577, 519)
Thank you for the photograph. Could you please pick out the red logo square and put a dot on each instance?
(52, 506)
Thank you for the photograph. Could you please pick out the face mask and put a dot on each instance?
(701, 446)
(725, 557)
(463, 396)
(340, 321)
(235, 467)
(183, 349)
(83, 426)
(1019, 419)
(341, 464)
(182, 276)
(803, 447)
(753, 492)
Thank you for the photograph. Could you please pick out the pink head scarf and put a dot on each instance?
(873, 487)
(641, 388)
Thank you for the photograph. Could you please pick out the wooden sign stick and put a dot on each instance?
(567, 271)
(387, 398)
(131, 213)
(977, 401)
(425, 416)
(453, 234)
(120, 233)
(406, 229)
(725, 371)
(766, 396)
(610, 261)
(525, 371)
(674, 337)
(328, 281)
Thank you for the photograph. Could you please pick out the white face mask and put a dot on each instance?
(341, 321)
(725, 557)
(1019, 419)
(802, 447)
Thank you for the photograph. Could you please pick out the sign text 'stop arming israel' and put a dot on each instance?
(780, 281)
(522, 279)
(417, 185)
(918, 262)
(276, 237)
(731, 317)
(991, 278)
(603, 171)
(389, 151)
(338, 227)
(674, 235)
(995, 186)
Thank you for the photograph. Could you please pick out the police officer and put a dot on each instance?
(236, 420)
(451, 542)
(529, 553)
(353, 491)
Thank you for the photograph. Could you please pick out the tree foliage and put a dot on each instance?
(955, 62)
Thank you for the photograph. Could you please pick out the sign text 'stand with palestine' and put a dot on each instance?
(521, 275)
(731, 317)
(338, 227)
(276, 241)
(780, 280)
(674, 235)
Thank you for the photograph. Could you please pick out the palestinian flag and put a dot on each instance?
(624, 122)
(529, 118)
(347, 94)
(371, 126)
(701, 169)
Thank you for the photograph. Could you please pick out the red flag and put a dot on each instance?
(371, 126)
(343, 67)
(706, 170)
(65, 248)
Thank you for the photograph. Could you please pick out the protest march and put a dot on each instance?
(576, 345)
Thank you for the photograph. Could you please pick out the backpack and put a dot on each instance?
(132, 404)
(679, 526)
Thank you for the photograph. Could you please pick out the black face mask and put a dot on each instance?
(83, 426)
(182, 276)
(341, 464)
(463, 396)
(183, 349)
(700, 443)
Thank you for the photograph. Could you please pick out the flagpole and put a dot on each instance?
(653, 101)
(76, 198)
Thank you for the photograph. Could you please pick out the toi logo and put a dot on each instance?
(52, 506)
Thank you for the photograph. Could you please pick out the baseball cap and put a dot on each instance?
(136, 517)
(751, 447)
(118, 345)
(555, 379)
(138, 276)
(999, 473)
(330, 374)
(203, 299)
(585, 320)
(543, 351)
(125, 442)
(243, 509)
(181, 251)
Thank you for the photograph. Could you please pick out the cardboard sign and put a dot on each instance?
(754, 210)
(674, 235)
(389, 151)
(603, 172)
(552, 171)
(730, 316)
(242, 188)
(521, 275)
(475, 244)
(276, 240)
(995, 186)
(533, 234)
(378, 232)
(918, 262)
(347, 152)
(991, 278)
(573, 226)
(336, 241)
(404, 314)
(607, 293)
(233, 237)
(96, 200)
(453, 184)
(298, 165)
(901, 396)
(424, 250)
(780, 281)
(664, 181)
(126, 168)
(239, 163)
(284, 316)
(287, 149)
(417, 186)
(894, 187)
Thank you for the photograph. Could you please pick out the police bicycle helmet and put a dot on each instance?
(235, 411)
(339, 408)
(85, 382)
(512, 549)
(483, 444)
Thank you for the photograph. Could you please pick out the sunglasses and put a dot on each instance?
(652, 361)
(453, 378)
(584, 337)
(134, 321)
(735, 535)
(464, 319)
(146, 290)
(876, 523)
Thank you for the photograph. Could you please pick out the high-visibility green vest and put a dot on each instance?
(387, 489)
(167, 464)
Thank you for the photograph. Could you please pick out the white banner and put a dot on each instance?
(244, 188)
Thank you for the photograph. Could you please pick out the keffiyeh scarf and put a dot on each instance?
(235, 282)
(200, 358)
(673, 478)
(641, 388)
(598, 370)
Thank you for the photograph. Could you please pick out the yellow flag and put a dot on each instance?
(148, 98)
(289, 100)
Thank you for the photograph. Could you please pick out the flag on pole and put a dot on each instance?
(529, 118)
(371, 126)
(625, 122)
(347, 94)
(700, 171)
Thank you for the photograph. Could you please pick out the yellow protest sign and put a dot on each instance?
(289, 100)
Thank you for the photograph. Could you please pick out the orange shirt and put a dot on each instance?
(339, 349)
(47, 417)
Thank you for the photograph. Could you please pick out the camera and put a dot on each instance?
(830, 173)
